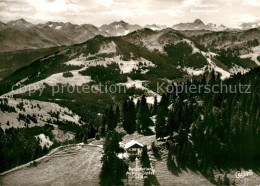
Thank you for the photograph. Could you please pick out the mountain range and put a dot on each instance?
(119, 28)
(175, 54)
(199, 25)
(20, 34)
(50, 96)
(142, 56)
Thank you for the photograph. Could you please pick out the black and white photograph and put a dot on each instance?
(120, 92)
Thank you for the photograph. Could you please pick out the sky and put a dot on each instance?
(230, 13)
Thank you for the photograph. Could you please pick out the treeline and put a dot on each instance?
(82, 132)
(223, 131)
(131, 117)
(103, 74)
(183, 55)
(204, 130)
(19, 145)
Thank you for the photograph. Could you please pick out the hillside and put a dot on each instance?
(80, 164)
(13, 60)
(21, 113)
(78, 58)
(214, 136)
(143, 56)
(72, 164)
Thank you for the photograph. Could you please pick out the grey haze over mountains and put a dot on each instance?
(20, 34)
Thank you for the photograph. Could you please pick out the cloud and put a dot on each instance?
(251, 2)
(2, 6)
(245, 18)
(52, 6)
(190, 2)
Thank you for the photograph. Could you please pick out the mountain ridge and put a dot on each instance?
(199, 25)
(52, 34)
(168, 49)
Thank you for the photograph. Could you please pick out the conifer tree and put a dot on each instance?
(117, 114)
(160, 124)
(143, 116)
(170, 162)
(111, 119)
(163, 105)
(113, 169)
(129, 116)
(132, 115)
(145, 164)
(145, 158)
(155, 106)
(104, 123)
(171, 125)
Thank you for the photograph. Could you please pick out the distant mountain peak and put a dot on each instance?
(22, 20)
(198, 21)
(198, 25)
(122, 22)
(119, 28)
(20, 23)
